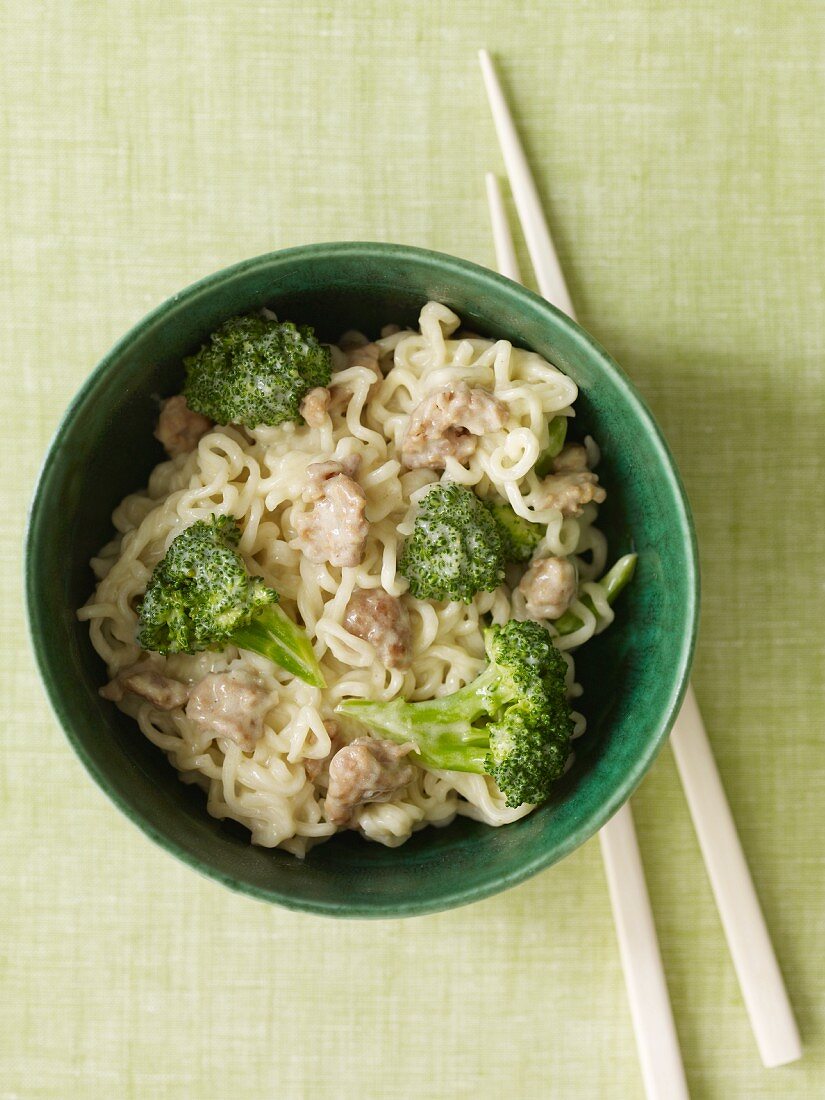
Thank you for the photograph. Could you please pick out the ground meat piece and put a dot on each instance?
(573, 456)
(548, 587)
(366, 770)
(447, 423)
(231, 705)
(335, 528)
(367, 355)
(315, 766)
(569, 492)
(383, 621)
(339, 398)
(320, 472)
(571, 485)
(314, 406)
(358, 354)
(179, 428)
(352, 339)
(145, 680)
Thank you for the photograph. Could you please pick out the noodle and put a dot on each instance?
(257, 476)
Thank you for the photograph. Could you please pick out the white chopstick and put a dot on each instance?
(533, 223)
(656, 1039)
(506, 260)
(754, 959)
(750, 945)
(644, 974)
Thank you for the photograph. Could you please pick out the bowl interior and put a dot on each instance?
(633, 675)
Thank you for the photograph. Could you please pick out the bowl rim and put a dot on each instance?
(583, 342)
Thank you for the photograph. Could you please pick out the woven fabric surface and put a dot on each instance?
(679, 151)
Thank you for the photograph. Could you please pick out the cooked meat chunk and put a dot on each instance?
(359, 354)
(335, 528)
(571, 491)
(339, 398)
(571, 485)
(367, 355)
(383, 621)
(315, 766)
(145, 680)
(548, 586)
(314, 406)
(320, 472)
(352, 339)
(447, 423)
(231, 705)
(179, 428)
(366, 770)
(573, 456)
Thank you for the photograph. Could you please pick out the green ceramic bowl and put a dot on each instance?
(633, 675)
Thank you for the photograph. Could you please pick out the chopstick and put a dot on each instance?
(656, 1039)
(506, 260)
(754, 958)
(757, 969)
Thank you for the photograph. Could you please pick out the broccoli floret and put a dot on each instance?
(455, 548)
(513, 722)
(255, 371)
(519, 537)
(200, 596)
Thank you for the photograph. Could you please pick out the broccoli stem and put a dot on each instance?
(275, 636)
(442, 728)
(557, 431)
(612, 583)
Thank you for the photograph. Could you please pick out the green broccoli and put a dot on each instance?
(519, 537)
(455, 548)
(255, 371)
(200, 596)
(512, 722)
(557, 433)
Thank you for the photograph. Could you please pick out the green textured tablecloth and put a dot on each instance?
(679, 149)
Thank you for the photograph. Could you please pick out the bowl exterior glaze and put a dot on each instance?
(633, 675)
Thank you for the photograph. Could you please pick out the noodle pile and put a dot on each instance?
(258, 477)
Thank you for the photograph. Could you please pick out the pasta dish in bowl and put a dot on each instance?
(349, 597)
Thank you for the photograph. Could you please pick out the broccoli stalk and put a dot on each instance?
(254, 371)
(557, 433)
(519, 537)
(275, 636)
(613, 582)
(513, 722)
(455, 548)
(200, 596)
